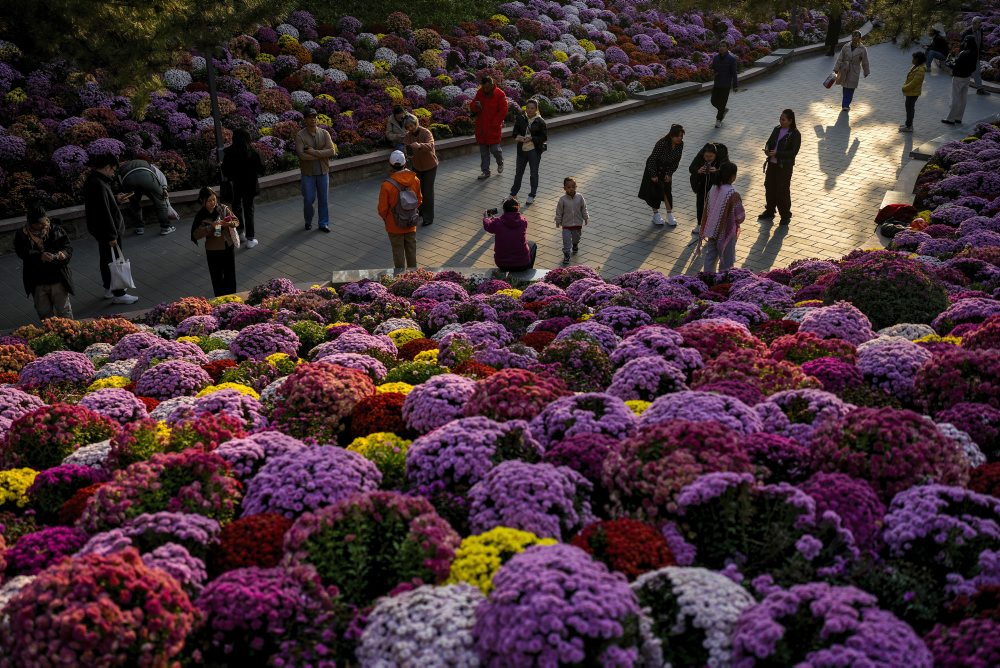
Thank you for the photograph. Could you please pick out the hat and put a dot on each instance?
(309, 111)
(397, 159)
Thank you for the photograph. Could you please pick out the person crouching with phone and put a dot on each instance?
(216, 224)
(512, 250)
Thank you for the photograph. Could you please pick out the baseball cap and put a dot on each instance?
(397, 159)
(309, 111)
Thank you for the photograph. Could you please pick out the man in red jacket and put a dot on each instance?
(490, 108)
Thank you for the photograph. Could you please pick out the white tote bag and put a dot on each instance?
(121, 270)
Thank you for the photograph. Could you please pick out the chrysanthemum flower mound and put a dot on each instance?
(689, 615)
(892, 449)
(98, 610)
(479, 557)
(821, 624)
(47, 435)
(315, 399)
(625, 545)
(554, 605)
(370, 543)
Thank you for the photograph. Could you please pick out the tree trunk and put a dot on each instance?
(213, 94)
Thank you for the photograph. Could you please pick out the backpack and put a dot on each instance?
(406, 213)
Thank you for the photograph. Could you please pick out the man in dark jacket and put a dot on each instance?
(45, 251)
(726, 79)
(142, 178)
(104, 220)
(965, 66)
(938, 49)
(975, 31)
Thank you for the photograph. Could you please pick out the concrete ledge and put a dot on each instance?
(345, 170)
(897, 197)
(343, 277)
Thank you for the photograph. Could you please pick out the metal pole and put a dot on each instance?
(213, 94)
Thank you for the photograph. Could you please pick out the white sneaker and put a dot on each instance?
(139, 231)
(167, 230)
(657, 218)
(125, 299)
(670, 219)
(251, 243)
(108, 294)
(529, 200)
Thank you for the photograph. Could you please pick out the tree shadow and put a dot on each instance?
(766, 247)
(835, 149)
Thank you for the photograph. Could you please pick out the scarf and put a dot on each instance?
(718, 220)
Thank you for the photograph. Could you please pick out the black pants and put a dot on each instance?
(104, 257)
(778, 190)
(699, 196)
(243, 209)
(222, 269)
(427, 194)
(533, 249)
(911, 105)
(668, 192)
(720, 98)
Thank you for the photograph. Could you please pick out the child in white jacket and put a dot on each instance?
(571, 216)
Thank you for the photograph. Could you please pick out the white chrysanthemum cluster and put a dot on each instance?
(429, 627)
(392, 324)
(266, 120)
(365, 68)
(908, 331)
(177, 80)
(287, 29)
(709, 603)
(198, 64)
(335, 75)
(95, 350)
(12, 588)
(121, 368)
(165, 408)
(216, 355)
(92, 455)
(965, 442)
(302, 97)
(386, 54)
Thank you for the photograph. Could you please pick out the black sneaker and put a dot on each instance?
(766, 216)
(325, 229)
(575, 250)
(427, 223)
(483, 176)
(499, 168)
(784, 221)
(565, 261)
(309, 226)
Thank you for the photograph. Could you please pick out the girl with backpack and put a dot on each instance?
(398, 204)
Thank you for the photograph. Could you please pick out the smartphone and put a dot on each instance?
(492, 212)
(127, 196)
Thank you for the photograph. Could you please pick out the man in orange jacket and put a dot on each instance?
(399, 201)
(489, 106)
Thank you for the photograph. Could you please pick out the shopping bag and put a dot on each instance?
(830, 80)
(121, 270)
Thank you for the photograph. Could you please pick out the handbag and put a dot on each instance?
(528, 146)
(829, 80)
(121, 270)
(231, 234)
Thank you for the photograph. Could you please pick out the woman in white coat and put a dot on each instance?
(852, 61)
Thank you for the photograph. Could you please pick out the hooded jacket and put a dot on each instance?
(388, 196)
(490, 110)
(701, 182)
(395, 131)
(965, 64)
(511, 231)
(34, 272)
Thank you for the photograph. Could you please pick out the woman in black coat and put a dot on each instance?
(241, 165)
(531, 135)
(45, 251)
(781, 148)
(705, 174)
(657, 177)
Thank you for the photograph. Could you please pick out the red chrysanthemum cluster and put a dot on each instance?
(379, 412)
(251, 541)
(538, 340)
(70, 511)
(411, 349)
(985, 479)
(626, 545)
(474, 369)
(217, 368)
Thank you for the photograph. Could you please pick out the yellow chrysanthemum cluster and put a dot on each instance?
(399, 386)
(401, 337)
(242, 389)
(395, 93)
(638, 406)
(423, 115)
(445, 79)
(366, 446)
(428, 356)
(189, 339)
(286, 40)
(560, 56)
(587, 45)
(226, 299)
(264, 58)
(324, 119)
(478, 558)
(809, 302)
(266, 132)
(510, 292)
(500, 18)
(14, 484)
(934, 338)
(348, 113)
(585, 316)
(17, 96)
(332, 100)
(110, 381)
(283, 362)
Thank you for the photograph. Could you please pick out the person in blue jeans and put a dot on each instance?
(531, 136)
(315, 148)
(938, 49)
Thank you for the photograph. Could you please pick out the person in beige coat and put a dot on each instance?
(419, 144)
(852, 62)
(314, 147)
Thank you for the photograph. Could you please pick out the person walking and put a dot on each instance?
(489, 107)
(242, 166)
(398, 204)
(315, 148)
(726, 79)
(965, 66)
(852, 61)
(975, 31)
(512, 251)
(419, 144)
(938, 48)
(661, 164)
(571, 216)
(704, 171)
(721, 227)
(216, 224)
(105, 221)
(395, 127)
(45, 253)
(781, 148)
(912, 88)
(531, 136)
(142, 178)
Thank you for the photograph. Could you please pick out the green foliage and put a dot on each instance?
(422, 13)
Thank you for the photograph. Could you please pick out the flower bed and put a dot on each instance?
(570, 56)
(701, 485)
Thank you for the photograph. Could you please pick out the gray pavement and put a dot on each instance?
(846, 164)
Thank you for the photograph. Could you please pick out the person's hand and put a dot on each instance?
(666, 179)
(713, 169)
(123, 197)
(47, 257)
(114, 243)
(654, 179)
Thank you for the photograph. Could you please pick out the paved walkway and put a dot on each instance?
(846, 163)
